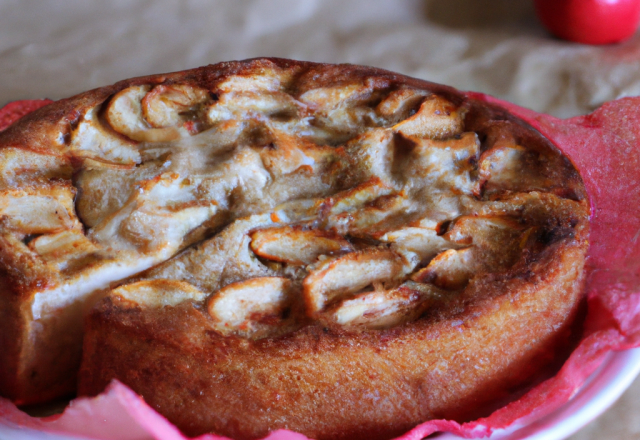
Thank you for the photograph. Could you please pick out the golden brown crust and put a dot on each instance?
(393, 228)
(455, 363)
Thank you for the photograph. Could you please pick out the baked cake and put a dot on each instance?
(333, 249)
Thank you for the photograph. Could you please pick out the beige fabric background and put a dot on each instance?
(58, 48)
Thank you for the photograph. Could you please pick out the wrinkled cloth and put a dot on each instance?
(51, 49)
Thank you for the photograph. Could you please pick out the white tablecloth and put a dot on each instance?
(58, 48)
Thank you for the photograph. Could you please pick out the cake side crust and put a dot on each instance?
(454, 364)
(285, 209)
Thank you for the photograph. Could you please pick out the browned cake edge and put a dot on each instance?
(456, 363)
(182, 351)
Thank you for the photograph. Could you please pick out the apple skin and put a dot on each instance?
(590, 21)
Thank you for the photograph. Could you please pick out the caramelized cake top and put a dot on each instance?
(276, 193)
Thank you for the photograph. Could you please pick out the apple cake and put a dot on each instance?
(332, 249)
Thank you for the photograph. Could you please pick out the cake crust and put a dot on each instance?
(329, 384)
(333, 249)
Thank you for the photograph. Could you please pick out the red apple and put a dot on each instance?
(590, 21)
